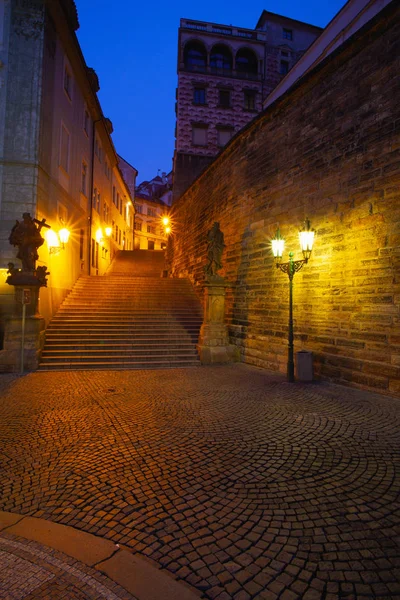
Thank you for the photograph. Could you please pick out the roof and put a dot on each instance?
(267, 13)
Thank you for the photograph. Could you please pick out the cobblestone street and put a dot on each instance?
(234, 481)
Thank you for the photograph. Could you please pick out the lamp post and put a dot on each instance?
(291, 267)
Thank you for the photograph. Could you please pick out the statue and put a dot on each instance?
(26, 235)
(215, 248)
(41, 275)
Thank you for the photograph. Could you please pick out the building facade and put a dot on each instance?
(224, 74)
(58, 161)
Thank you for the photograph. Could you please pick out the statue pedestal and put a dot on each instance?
(10, 356)
(213, 346)
(26, 297)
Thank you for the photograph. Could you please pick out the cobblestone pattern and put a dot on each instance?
(31, 571)
(240, 484)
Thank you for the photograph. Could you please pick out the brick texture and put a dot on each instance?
(329, 150)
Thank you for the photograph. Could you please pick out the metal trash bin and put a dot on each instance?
(304, 365)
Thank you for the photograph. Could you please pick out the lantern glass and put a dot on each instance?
(63, 234)
(306, 236)
(278, 245)
(108, 231)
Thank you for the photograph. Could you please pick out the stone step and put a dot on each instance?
(115, 354)
(113, 365)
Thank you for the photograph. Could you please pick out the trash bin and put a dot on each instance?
(304, 365)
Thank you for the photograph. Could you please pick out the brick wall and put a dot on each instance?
(329, 150)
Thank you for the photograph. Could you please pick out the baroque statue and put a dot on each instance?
(216, 245)
(26, 235)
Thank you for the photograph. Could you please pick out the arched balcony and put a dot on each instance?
(221, 60)
(195, 57)
(246, 63)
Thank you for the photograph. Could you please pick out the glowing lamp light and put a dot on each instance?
(306, 236)
(168, 230)
(165, 221)
(53, 241)
(108, 231)
(278, 244)
(64, 234)
(99, 235)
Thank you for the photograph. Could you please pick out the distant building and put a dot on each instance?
(152, 201)
(224, 75)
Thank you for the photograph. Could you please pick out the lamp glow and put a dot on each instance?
(306, 236)
(168, 230)
(278, 244)
(53, 241)
(165, 221)
(64, 234)
(108, 231)
(99, 235)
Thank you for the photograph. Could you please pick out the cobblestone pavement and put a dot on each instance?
(242, 485)
(31, 571)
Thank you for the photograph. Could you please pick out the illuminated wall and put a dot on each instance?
(327, 149)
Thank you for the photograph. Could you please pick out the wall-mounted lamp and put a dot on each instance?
(108, 231)
(306, 236)
(56, 241)
(166, 221)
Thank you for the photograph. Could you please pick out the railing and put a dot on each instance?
(249, 34)
(232, 73)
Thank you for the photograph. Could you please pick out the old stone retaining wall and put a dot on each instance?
(329, 150)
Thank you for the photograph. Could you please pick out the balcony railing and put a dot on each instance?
(232, 73)
(222, 30)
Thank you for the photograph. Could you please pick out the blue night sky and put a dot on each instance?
(133, 48)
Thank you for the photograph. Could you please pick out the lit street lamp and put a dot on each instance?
(291, 267)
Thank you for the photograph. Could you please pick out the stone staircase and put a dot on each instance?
(125, 321)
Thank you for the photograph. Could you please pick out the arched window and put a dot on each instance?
(195, 57)
(246, 62)
(220, 58)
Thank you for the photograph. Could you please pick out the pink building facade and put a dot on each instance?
(224, 75)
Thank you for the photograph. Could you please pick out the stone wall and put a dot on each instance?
(329, 150)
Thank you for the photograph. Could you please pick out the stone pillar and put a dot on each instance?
(213, 346)
(34, 335)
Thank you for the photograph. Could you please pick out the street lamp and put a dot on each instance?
(306, 236)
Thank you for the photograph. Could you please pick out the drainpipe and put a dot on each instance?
(91, 196)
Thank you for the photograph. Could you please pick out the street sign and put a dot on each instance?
(26, 296)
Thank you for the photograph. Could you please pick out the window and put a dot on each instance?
(98, 202)
(120, 205)
(124, 240)
(97, 150)
(199, 95)
(224, 98)
(150, 245)
(116, 233)
(119, 237)
(81, 242)
(67, 82)
(284, 67)
(199, 135)
(138, 226)
(224, 135)
(287, 34)
(249, 100)
(93, 252)
(139, 209)
(64, 149)
(195, 57)
(246, 63)
(220, 59)
(284, 53)
(86, 122)
(107, 169)
(151, 212)
(84, 179)
(113, 194)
